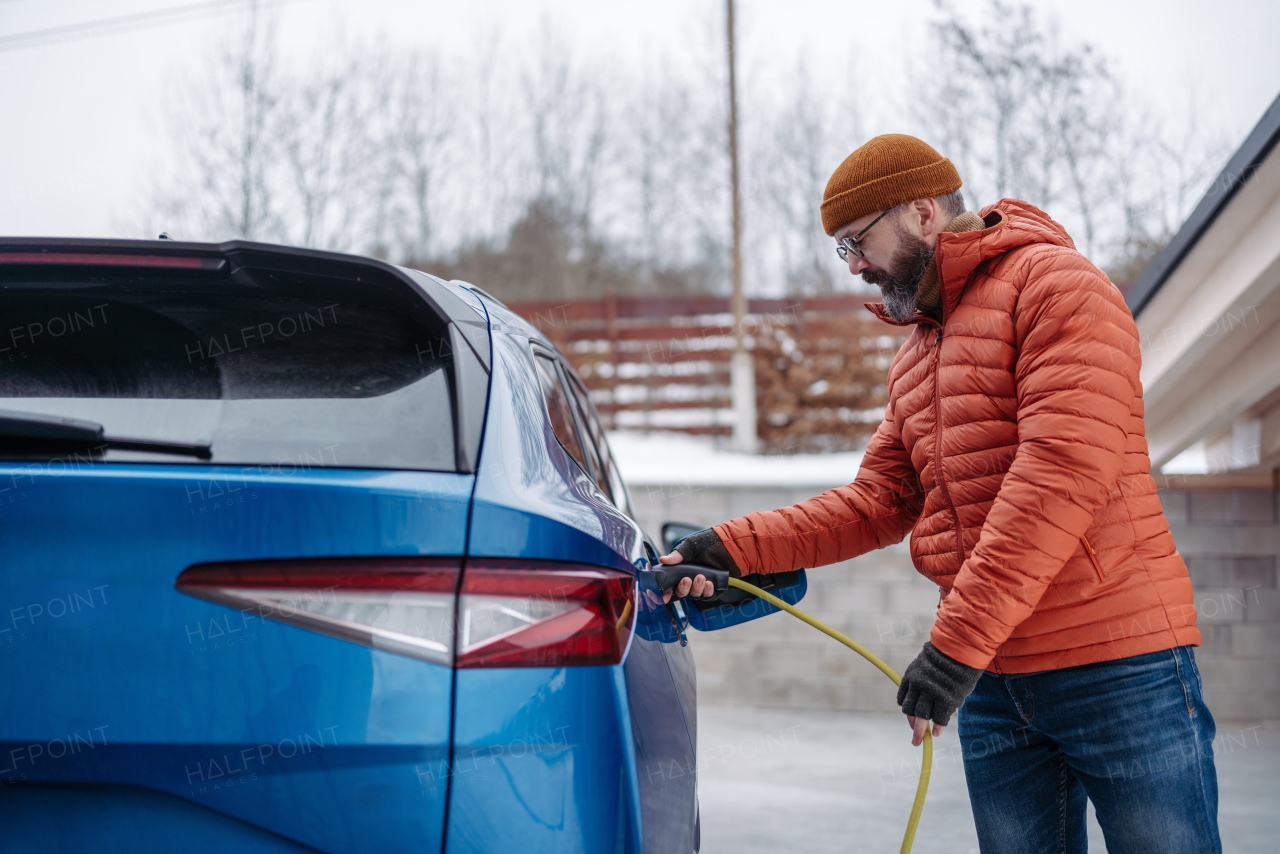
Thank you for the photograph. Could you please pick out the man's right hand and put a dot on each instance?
(703, 547)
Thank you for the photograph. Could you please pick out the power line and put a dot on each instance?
(127, 23)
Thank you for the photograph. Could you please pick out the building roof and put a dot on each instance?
(1239, 169)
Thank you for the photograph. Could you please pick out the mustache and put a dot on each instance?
(875, 277)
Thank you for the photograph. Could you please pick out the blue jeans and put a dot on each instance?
(1132, 735)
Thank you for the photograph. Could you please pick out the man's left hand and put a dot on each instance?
(919, 726)
(933, 687)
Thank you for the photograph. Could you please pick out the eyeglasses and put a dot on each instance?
(853, 245)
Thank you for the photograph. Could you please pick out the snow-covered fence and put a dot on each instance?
(661, 363)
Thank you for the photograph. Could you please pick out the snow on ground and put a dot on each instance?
(665, 457)
(658, 458)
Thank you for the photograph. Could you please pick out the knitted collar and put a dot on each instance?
(929, 300)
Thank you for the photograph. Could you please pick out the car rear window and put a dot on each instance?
(274, 369)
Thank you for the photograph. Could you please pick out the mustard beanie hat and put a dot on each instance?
(886, 171)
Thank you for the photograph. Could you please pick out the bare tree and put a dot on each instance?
(424, 114)
(1024, 113)
(808, 137)
(559, 172)
(329, 139)
(1160, 168)
(1188, 151)
(665, 178)
(492, 138)
(983, 111)
(569, 117)
(1085, 129)
(223, 130)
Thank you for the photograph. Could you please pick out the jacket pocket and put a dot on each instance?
(1093, 559)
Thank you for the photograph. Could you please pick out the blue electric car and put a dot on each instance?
(308, 552)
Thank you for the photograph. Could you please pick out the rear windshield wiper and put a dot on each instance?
(35, 433)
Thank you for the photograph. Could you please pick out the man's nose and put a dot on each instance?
(857, 264)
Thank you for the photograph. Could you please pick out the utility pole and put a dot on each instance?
(742, 375)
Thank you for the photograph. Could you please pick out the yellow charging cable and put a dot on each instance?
(926, 764)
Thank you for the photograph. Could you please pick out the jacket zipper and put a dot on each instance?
(1093, 558)
(994, 666)
(937, 447)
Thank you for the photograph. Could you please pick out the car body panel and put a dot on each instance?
(108, 819)
(249, 717)
(539, 762)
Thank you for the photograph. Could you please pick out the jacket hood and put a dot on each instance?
(1011, 223)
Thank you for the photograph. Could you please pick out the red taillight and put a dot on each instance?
(403, 605)
(515, 613)
(511, 613)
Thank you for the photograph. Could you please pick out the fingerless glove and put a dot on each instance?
(704, 547)
(935, 685)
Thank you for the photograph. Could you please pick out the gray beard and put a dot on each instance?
(900, 285)
(900, 298)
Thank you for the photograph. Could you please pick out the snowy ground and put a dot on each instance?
(657, 458)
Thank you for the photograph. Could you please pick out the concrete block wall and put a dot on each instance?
(1229, 538)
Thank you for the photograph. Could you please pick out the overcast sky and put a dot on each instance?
(80, 119)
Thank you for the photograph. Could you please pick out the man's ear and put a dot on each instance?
(928, 216)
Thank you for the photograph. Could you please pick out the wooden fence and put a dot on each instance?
(662, 363)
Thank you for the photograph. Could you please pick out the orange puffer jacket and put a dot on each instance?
(1013, 450)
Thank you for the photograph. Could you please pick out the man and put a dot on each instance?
(1013, 451)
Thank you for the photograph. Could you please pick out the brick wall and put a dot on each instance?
(1230, 539)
